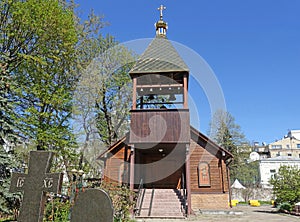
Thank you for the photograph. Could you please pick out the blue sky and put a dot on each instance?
(253, 48)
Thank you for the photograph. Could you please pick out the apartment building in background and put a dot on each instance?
(288, 146)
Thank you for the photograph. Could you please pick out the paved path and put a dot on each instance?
(240, 214)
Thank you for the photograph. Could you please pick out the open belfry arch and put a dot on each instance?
(162, 152)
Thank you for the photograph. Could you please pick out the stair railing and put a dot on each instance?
(140, 198)
(151, 202)
(184, 193)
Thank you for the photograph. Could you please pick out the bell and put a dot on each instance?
(172, 97)
(151, 97)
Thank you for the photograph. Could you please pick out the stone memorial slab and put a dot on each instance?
(93, 205)
(35, 184)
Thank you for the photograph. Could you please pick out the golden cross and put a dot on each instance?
(161, 8)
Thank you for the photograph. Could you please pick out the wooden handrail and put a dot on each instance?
(140, 198)
(151, 202)
(184, 194)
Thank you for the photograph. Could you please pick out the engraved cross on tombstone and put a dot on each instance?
(35, 184)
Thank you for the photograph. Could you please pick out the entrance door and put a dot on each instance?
(162, 173)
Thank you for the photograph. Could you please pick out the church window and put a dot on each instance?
(203, 174)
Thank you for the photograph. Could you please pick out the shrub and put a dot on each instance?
(286, 185)
(57, 210)
(285, 207)
(122, 199)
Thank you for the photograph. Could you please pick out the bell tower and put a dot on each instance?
(160, 135)
(160, 111)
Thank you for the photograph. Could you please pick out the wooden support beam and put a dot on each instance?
(134, 94)
(185, 92)
(132, 160)
(221, 170)
(188, 180)
(229, 188)
(159, 86)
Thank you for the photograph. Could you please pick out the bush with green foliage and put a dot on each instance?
(286, 185)
(122, 199)
(285, 207)
(57, 210)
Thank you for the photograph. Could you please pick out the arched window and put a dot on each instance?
(203, 174)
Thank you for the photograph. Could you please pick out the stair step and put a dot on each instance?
(167, 203)
(160, 213)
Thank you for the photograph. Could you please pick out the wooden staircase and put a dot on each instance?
(161, 203)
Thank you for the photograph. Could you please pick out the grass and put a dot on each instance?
(6, 220)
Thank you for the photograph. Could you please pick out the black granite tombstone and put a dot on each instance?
(35, 184)
(93, 205)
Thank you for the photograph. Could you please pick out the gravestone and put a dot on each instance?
(35, 184)
(93, 205)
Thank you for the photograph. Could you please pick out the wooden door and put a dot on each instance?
(162, 170)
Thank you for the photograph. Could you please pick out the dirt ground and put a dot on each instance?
(239, 214)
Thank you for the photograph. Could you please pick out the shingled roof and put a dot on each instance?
(159, 57)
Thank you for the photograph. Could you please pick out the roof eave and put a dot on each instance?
(109, 149)
(136, 72)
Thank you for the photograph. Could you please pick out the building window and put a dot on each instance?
(289, 154)
(276, 146)
(287, 146)
(272, 172)
(203, 174)
(298, 145)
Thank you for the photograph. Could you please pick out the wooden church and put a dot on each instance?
(174, 168)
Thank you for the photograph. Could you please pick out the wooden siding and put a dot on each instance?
(117, 165)
(159, 126)
(218, 176)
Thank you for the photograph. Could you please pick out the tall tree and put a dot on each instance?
(7, 134)
(225, 132)
(102, 98)
(7, 63)
(9, 202)
(38, 50)
(43, 52)
(222, 125)
(48, 78)
(114, 94)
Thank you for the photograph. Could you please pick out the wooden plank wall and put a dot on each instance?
(164, 126)
(117, 160)
(218, 171)
(218, 177)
